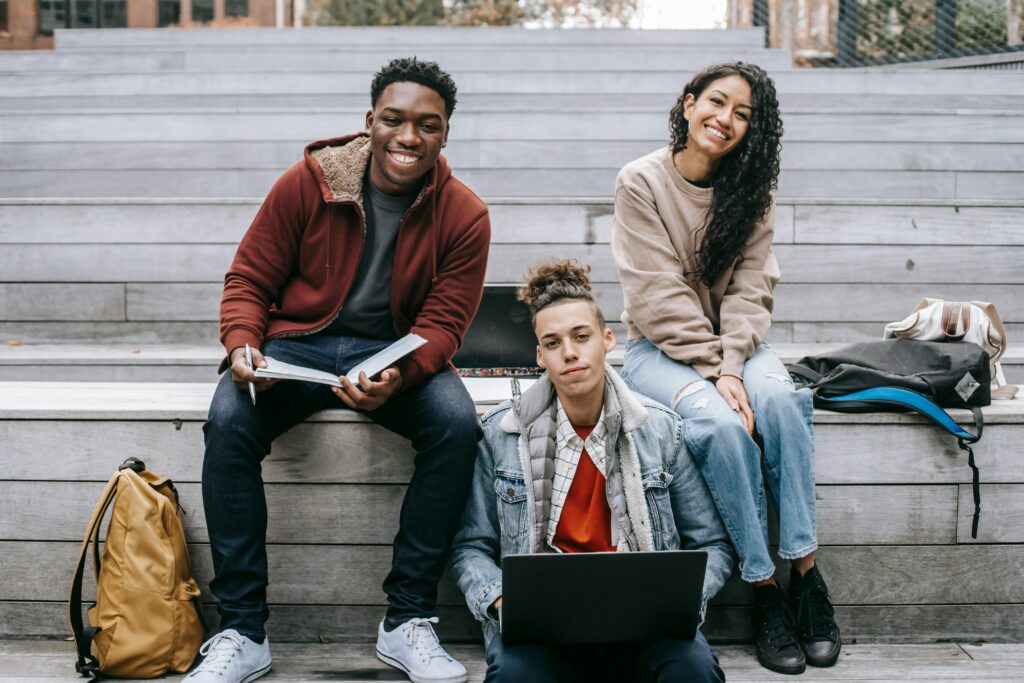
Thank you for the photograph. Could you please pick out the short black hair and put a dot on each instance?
(412, 70)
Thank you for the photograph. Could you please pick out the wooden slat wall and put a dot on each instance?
(514, 183)
(352, 574)
(277, 155)
(326, 623)
(893, 499)
(564, 125)
(120, 277)
(367, 513)
(810, 263)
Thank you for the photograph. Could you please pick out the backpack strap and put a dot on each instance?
(923, 405)
(804, 373)
(965, 445)
(87, 664)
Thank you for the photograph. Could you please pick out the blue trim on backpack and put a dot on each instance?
(909, 399)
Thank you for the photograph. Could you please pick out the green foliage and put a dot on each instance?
(888, 29)
(981, 24)
(375, 12)
(895, 28)
(552, 13)
(485, 13)
(470, 12)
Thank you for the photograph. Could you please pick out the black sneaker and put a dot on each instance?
(774, 637)
(816, 626)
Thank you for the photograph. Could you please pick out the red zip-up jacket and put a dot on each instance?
(295, 265)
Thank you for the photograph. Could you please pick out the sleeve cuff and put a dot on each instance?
(412, 374)
(486, 597)
(234, 339)
(733, 361)
(707, 370)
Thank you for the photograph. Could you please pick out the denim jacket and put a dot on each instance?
(655, 492)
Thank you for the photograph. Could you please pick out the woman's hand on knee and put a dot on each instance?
(731, 389)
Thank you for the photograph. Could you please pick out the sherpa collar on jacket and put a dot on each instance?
(339, 165)
(533, 417)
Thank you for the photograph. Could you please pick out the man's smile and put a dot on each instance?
(403, 158)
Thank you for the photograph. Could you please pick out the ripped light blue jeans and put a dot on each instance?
(729, 458)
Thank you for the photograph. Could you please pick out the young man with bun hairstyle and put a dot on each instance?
(368, 238)
(598, 458)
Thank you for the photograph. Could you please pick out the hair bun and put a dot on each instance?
(550, 281)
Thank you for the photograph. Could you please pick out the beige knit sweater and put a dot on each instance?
(655, 235)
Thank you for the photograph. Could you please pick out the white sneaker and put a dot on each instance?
(230, 657)
(413, 647)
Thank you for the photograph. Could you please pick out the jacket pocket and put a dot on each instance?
(659, 508)
(511, 491)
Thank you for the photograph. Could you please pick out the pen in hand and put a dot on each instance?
(248, 363)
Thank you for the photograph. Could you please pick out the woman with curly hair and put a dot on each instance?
(692, 240)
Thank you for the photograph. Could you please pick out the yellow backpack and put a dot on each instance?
(146, 620)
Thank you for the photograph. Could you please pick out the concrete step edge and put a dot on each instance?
(190, 401)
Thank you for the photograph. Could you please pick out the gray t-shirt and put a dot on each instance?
(367, 310)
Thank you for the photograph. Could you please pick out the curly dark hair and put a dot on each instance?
(412, 70)
(551, 282)
(745, 178)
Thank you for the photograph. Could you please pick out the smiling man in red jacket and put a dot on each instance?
(368, 238)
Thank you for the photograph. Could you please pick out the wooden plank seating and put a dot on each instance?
(101, 270)
(894, 522)
(396, 38)
(836, 153)
(455, 58)
(48, 662)
(69, 362)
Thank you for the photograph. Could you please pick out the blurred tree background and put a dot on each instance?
(906, 28)
(883, 30)
(550, 13)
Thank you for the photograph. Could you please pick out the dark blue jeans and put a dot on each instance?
(438, 417)
(665, 661)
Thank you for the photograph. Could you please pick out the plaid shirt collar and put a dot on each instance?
(566, 438)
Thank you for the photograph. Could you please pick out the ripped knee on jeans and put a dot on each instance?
(689, 390)
(779, 376)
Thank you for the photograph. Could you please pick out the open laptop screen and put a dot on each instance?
(500, 342)
(593, 598)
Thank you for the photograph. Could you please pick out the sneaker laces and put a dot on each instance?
(778, 622)
(219, 651)
(815, 612)
(421, 638)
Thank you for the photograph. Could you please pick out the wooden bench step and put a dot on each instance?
(363, 37)
(894, 513)
(467, 154)
(197, 363)
(686, 58)
(48, 661)
(481, 101)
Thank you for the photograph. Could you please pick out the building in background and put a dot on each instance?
(29, 24)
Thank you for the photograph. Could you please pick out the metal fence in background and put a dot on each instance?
(868, 32)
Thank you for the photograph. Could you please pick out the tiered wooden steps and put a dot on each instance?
(71, 362)
(131, 162)
(150, 270)
(894, 514)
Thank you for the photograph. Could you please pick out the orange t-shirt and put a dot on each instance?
(585, 524)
